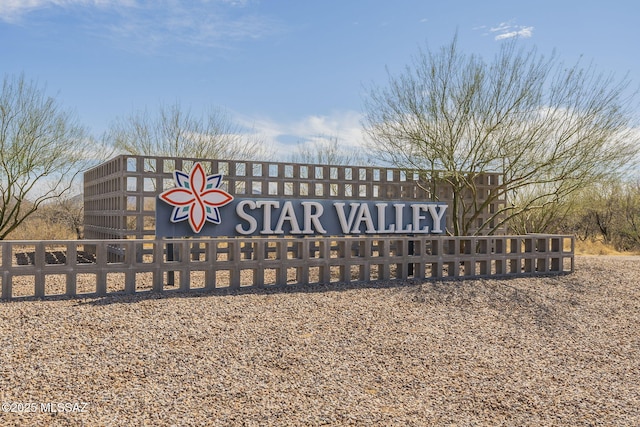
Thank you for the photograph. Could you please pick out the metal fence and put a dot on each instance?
(104, 267)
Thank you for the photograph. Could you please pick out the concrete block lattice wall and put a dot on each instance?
(44, 268)
(120, 195)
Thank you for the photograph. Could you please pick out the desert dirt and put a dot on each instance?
(544, 351)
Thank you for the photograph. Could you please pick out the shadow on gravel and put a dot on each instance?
(53, 258)
(546, 302)
(118, 298)
(123, 298)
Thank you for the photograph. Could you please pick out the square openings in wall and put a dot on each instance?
(197, 279)
(86, 283)
(222, 278)
(132, 183)
(131, 164)
(247, 277)
(116, 282)
(23, 254)
(23, 286)
(168, 165)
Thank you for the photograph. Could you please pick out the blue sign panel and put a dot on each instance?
(199, 206)
(264, 217)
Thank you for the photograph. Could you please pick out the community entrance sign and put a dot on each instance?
(198, 206)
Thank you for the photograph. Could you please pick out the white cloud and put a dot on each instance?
(525, 32)
(507, 30)
(156, 25)
(503, 26)
(11, 10)
(284, 137)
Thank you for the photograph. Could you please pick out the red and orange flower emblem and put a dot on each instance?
(196, 197)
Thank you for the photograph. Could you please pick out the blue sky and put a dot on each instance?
(293, 70)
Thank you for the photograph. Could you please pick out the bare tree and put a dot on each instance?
(326, 151)
(176, 132)
(547, 128)
(42, 149)
(608, 211)
(68, 212)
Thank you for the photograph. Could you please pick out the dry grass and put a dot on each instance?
(591, 247)
(43, 228)
(597, 247)
(542, 351)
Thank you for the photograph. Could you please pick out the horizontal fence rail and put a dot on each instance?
(104, 267)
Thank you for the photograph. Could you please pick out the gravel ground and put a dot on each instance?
(543, 351)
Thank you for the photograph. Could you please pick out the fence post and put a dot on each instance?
(481, 256)
(6, 266)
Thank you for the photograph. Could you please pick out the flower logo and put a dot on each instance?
(197, 197)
